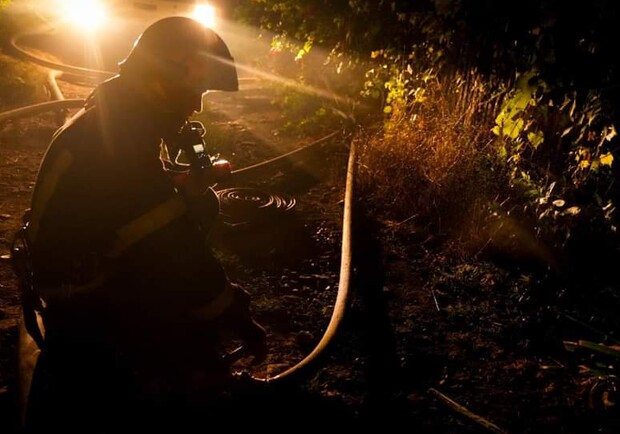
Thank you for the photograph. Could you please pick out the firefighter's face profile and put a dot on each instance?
(183, 97)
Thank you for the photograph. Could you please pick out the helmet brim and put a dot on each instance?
(222, 69)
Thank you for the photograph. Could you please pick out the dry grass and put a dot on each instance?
(20, 83)
(433, 163)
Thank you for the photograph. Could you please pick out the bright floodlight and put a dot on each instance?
(205, 14)
(87, 14)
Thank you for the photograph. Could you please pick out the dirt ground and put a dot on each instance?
(420, 327)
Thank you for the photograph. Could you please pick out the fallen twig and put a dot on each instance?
(406, 220)
(465, 412)
(585, 325)
(435, 300)
(604, 349)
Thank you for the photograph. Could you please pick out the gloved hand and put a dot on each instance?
(255, 341)
(221, 169)
(194, 182)
(240, 320)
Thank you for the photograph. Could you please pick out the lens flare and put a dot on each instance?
(205, 14)
(86, 14)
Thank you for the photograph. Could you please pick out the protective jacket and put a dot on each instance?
(107, 219)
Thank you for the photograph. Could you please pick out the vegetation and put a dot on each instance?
(472, 114)
(488, 127)
(20, 83)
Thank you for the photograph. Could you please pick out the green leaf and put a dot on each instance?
(300, 54)
(512, 128)
(606, 159)
(611, 134)
(573, 210)
(559, 203)
(535, 138)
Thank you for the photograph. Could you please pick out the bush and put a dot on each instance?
(432, 162)
(20, 83)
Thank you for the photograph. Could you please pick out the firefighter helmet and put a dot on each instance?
(166, 47)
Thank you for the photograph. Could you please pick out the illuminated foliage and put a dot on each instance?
(534, 138)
